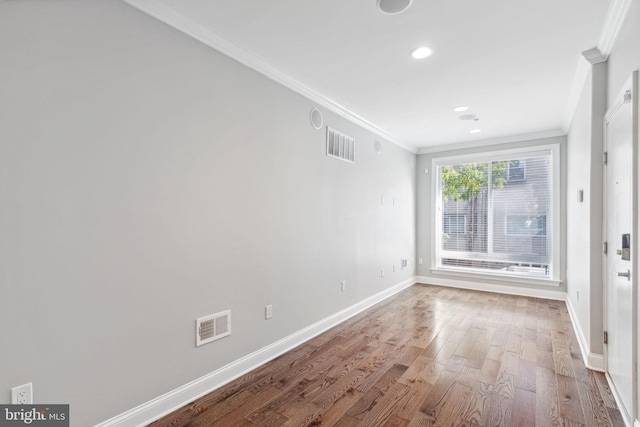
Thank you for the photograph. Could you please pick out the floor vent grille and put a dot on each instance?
(340, 146)
(213, 327)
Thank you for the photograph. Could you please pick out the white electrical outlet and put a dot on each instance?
(420, 261)
(382, 273)
(343, 285)
(268, 312)
(22, 395)
(578, 295)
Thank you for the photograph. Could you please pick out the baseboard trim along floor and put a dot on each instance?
(502, 288)
(591, 360)
(169, 402)
(175, 399)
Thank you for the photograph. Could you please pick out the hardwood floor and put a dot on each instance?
(429, 356)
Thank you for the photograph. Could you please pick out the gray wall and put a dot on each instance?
(146, 180)
(584, 230)
(585, 171)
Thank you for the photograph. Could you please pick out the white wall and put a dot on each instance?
(578, 235)
(584, 229)
(147, 180)
(585, 170)
(424, 224)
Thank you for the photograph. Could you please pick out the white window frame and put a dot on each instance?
(553, 217)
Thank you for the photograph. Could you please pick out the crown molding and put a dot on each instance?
(160, 11)
(594, 56)
(612, 24)
(494, 141)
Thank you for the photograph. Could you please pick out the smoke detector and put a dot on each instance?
(392, 7)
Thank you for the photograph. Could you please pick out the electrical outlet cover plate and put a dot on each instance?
(22, 395)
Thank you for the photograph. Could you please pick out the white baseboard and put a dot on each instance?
(626, 416)
(175, 399)
(169, 402)
(592, 361)
(595, 362)
(501, 289)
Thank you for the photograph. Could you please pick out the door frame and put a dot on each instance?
(632, 84)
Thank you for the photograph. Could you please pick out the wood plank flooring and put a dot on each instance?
(429, 356)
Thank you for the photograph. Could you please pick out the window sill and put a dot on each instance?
(512, 278)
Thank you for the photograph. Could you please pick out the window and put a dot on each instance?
(454, 223)
(525, 225)
(516, 171)
(485, 225)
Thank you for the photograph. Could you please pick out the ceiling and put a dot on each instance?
(515, 64)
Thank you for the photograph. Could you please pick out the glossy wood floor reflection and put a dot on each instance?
(429, 356)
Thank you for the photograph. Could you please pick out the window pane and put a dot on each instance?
(525, 225)
(454, 223)
(464, 193)
(516, 171)
(497, 221)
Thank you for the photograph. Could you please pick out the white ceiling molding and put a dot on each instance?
(594, 56)
(494, 141)
(612, 24)
(169, 16)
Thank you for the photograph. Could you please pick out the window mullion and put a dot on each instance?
(489, 230)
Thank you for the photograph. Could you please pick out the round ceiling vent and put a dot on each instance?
(394, 6)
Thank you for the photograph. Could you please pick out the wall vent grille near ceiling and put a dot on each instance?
(213, 327)
(340, 146)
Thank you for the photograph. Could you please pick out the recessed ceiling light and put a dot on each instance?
(475, 131)
(461, 109)
(421, 52)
